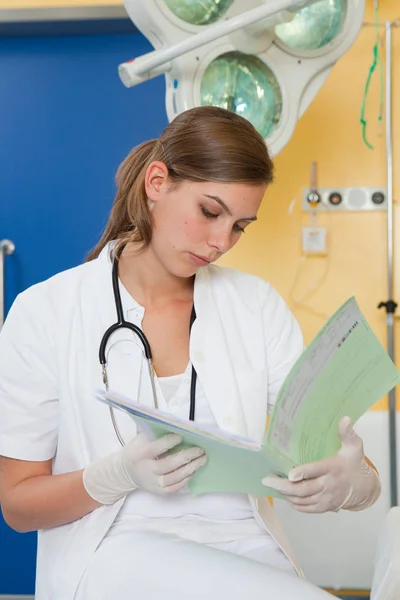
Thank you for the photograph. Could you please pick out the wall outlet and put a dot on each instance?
(347, 198)
(313, 240)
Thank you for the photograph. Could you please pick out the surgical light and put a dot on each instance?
(199, 12)
(314, 26)
(243, 84)
(263, 59)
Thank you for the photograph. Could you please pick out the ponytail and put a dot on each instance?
(130, 218)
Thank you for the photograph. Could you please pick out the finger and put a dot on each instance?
(172, 462)
(182, 473)
(301, 489)
(280, 484)
(308, 488)
(350, 440)
(163, 444)
(312, 500)
(345, 430)
(314, 509)
(311, 470)
(176, 487)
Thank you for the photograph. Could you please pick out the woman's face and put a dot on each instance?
(197, 222)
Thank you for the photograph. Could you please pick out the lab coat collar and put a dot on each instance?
(124, 351)
(128, 302)
(211, 355)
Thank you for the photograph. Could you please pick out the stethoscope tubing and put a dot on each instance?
(123, 324)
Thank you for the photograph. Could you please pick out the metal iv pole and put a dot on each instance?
(390, 305)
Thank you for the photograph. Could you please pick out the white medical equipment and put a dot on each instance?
(264, 59)
(386, 580)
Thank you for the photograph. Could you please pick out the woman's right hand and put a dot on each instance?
(142, 464)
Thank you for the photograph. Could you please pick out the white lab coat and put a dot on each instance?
(243, 343)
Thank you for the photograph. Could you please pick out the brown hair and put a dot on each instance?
(206, 143)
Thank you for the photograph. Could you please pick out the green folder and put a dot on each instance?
(344, 371)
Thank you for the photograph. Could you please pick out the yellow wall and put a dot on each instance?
(329, 132)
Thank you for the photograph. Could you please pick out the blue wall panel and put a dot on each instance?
(66, 124)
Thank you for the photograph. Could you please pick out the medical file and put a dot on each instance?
(343, 371)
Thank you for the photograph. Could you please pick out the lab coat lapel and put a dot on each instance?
(123, 352)
(211, 356)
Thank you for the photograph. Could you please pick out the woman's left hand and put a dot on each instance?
(345, 480)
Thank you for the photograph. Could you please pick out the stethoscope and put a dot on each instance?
(123, 324)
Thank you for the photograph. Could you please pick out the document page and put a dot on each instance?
(343, 372)
(235, 464)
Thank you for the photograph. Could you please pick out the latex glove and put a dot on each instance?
(345, 480)
(141, 464)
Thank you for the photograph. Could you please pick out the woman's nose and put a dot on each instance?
(221, 239)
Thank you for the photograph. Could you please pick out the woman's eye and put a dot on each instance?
(208, 214)
(211, 215)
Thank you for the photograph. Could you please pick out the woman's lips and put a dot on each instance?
(200, 261)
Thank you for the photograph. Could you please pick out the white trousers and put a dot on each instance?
(153, 566)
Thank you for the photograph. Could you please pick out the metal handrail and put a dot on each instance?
(6, 248)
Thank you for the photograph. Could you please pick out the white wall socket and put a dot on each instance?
(313, 240)
(347, 198)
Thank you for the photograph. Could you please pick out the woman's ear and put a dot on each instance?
(156, 180)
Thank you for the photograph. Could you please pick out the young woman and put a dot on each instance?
(114, 515)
